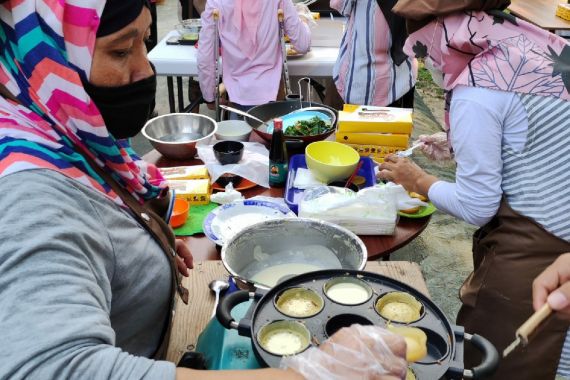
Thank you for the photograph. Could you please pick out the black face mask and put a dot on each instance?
(125, 109)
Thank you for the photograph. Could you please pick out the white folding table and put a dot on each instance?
(180, 60)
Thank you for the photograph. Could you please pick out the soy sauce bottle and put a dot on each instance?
(277, 156)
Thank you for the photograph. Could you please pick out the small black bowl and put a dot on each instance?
(224, 179)
(352, 186)
(228, 152)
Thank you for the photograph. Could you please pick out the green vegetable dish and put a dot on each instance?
(310, 127)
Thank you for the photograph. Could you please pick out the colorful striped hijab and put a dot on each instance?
(46, 47)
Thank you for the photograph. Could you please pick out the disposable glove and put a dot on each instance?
(436, 146)
(356, 352)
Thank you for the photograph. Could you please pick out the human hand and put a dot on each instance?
(184, 259)
(436, 146)
(405, 172)
(212, 105)
(358, 352)
(553, 286)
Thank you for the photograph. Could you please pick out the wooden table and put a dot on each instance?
(540, 12)
(190, 320)
(377, 245)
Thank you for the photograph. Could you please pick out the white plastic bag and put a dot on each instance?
(403, 199)
(371, 211)
(254, 165)
(229, 195)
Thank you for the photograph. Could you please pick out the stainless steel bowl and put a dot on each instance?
(286, 247)
(175, 135)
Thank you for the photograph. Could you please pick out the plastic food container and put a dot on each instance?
(179, 213)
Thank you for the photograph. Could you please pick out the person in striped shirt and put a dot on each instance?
(509, 129)
(371, 68)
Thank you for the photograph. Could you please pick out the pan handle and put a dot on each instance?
(490, 358)
(227, 303)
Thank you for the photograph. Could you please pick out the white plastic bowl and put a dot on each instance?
(236, 130)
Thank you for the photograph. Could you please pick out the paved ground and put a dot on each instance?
(444, 249)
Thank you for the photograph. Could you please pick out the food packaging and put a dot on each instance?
(378, 139)
(371, 211)
(563, 11)
(195, 191)
(368, 119)
(374, 131)
(185, 172)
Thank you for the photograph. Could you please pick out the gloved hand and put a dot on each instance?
(436, 146)
(305, 14)
(356, 352)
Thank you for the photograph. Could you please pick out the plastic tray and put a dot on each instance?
(293, 195)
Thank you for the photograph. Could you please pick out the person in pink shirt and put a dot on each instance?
(251, 50)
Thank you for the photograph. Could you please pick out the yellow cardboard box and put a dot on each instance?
(563, 11)
(382, 139)
(195, 191)
(185, 172)
(376, 152)
(368, 119)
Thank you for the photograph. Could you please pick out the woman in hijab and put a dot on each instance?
(509, 129)
(87, 265)
(251, 51)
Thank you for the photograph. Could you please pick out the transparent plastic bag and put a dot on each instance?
(371, 211)
(305, 14)
(356, 352)
(436, 146)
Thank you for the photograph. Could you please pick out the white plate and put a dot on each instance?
(225, 221)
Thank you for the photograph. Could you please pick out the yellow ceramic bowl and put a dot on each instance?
(331, 161)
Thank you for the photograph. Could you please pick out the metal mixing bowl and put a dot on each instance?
(274, 246)
(175, 135)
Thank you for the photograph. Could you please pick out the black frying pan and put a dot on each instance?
(272, 110)
(445, 341)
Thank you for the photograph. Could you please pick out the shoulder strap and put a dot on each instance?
(151, 221)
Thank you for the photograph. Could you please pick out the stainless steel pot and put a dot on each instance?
(271, 251)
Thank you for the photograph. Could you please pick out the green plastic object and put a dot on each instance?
(225, 349)
(424, 211)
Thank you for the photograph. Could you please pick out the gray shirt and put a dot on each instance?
(84, 289)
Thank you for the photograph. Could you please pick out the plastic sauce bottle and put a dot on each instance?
(277, 156)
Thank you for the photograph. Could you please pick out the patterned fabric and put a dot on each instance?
(497, 52)
(46, 47)
(364, 72)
